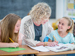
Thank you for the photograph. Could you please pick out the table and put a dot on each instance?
(54, 53)
(22, 52)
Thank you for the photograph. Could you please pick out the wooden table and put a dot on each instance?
(22, 52)
(54, 53)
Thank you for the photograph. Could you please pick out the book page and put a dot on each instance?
(61, 47)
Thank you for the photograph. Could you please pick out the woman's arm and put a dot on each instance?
(47, 44)
(50, 29)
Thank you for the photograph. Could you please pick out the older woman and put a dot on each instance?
(35, 26)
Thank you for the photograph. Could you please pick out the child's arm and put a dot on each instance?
(51, 41)
(20, 42)
(72, 43)
(20, 37)
(9, 44)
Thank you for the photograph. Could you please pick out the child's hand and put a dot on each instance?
(13, 44)
(51, 44)
(56, 41)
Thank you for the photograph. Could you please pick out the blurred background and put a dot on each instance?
(60, 8)
(23, 7)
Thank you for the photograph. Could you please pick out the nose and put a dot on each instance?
(59, 25)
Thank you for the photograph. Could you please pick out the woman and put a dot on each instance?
(35, 26)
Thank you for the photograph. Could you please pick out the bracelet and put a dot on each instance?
(45, 44)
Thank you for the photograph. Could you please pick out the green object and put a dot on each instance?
(12, 49)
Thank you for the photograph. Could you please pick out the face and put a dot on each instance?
(17, 26)
(44, 20)
(63, 25)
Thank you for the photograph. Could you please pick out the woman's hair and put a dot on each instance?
(40, 10)
(7, 28)
(70, 23)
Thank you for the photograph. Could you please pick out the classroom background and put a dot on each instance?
(60, 8)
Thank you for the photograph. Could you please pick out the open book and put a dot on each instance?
(60, 48)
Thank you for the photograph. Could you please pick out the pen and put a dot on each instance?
(54, 38)
(11, 40)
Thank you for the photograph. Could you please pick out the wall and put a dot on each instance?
(59, 10)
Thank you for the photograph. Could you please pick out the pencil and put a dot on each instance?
(11, 40)
(54, 38)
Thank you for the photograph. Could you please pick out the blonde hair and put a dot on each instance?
(7, 28)
(40, 10)
(70, 23)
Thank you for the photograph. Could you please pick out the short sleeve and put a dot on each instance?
(50, 36)
(72, 38)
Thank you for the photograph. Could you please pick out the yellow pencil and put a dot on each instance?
(11, 40)
(54, 38)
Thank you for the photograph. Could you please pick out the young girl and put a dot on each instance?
(10, 26)
(64, 33)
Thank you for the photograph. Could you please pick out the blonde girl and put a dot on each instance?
(64, 33)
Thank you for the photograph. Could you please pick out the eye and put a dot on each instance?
(59, 22)
(18, 25)
(62, 23)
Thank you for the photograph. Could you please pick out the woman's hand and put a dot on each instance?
(48, 43)
(40, 44)
(13, 44)
(51, 44)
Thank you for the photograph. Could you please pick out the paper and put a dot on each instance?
(12, 49)
(41, 48)
(62, 47)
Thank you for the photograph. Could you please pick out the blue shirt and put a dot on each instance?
(67, 39)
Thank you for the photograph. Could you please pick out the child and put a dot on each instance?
(64, 33)
(10, 26)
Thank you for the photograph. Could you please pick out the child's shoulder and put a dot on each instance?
(70, 34)
(54, 31)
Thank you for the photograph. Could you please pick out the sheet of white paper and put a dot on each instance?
(41, 48)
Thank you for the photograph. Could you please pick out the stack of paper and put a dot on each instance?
(60, 48)
(41, 48)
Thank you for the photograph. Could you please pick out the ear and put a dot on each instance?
(69, 27)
